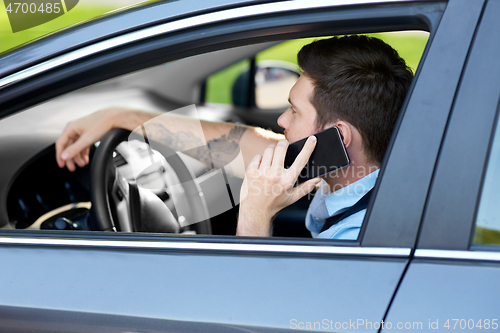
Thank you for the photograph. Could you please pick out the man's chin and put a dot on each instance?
(287, 138)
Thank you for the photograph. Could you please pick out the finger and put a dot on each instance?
(303, 157)
(279, 154)
(72, 150)
(268, 157)
(254, 163)
(79, 160)
(304, 188)
(66, 138)
(85, 155)
(70, 165)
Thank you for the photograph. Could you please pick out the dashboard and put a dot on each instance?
(42, 187)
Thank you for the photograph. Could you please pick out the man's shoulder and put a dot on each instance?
(347, 229)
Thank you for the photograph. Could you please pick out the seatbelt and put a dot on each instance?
(358, 206)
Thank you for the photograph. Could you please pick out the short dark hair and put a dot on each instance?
(361, 80)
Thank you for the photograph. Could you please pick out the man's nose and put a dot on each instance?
(282, 120)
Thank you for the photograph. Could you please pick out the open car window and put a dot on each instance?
(208, 86)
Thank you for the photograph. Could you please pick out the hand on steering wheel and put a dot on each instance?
(112, 195)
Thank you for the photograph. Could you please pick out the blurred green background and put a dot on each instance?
(410, 46)
(84, 10)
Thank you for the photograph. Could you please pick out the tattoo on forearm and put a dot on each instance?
(215, 153)
(225, 149)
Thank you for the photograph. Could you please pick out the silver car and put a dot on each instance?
(427, 257)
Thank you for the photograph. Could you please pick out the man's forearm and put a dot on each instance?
(217, 145)
(214, 143)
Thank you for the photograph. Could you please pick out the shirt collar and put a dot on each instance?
(350, 194)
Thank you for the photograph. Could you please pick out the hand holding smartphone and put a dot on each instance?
(329, 155)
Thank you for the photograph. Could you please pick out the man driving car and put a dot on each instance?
(356, 83)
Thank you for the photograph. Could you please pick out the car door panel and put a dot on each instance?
(250, 289)
(436, 292)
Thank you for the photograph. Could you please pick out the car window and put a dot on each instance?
(277, 70)
(44, 197)
(24, 21)
(487, 230)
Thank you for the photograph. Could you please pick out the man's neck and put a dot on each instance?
(348, 175)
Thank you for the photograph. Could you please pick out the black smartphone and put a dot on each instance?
(328, 155)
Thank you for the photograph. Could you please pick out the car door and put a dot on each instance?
(451, 284)
(119, 282)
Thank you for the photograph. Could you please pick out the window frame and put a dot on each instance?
(86, 71)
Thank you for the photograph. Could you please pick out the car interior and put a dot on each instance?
(236, 85)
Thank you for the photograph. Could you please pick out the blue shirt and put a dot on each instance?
(326, 204)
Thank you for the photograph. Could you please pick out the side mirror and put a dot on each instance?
(273, 81)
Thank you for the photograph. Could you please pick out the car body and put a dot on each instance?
(415, 261)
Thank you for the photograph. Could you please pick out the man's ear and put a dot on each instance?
(345, 131)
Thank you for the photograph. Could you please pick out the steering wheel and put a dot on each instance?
(112, 195)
